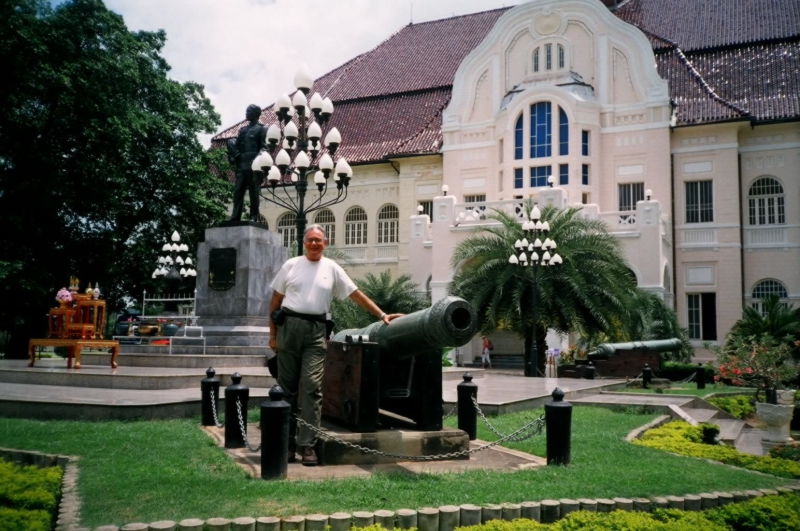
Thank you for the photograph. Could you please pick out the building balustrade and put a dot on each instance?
(698, 236)
(766, 236)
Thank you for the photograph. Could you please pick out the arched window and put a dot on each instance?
(548, 57)
(287, 229)
(355, 227)
(560, 57)
(764, 289)
(541, 129)
(536, 60)
(518, 139)
(326, 218)
(563, 132)
(388, 221)
(766, 200)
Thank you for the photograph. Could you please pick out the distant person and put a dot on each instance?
(303, 290)
(486, 361)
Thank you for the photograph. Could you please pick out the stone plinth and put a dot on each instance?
(238, 317)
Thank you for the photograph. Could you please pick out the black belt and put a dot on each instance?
(314, 318)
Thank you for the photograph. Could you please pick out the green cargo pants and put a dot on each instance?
(301, 359)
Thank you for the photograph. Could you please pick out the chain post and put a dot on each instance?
(590, 372)
(236, 397)
(209, 394)
(275, 435)
(647, 376)
(467, 392)
(558, 417)
(701, 376)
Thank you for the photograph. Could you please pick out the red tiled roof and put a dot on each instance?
(699, 24)
(716, 57)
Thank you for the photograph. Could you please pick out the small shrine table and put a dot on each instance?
(60, 318)
(74, 347)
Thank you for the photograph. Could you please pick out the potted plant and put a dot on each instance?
(766, 364)
(63, 297)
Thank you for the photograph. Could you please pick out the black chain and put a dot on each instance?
(217, 423)
(536, 430)
(241, 426)
(451, 413)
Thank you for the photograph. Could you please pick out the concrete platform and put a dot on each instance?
(496, 458)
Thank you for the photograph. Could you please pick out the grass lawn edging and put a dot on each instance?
(68, 500)
(450, 517)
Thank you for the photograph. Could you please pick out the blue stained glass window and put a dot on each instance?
(563, 174)
(517, 177)
(518, 139)
(541, 130)
(585, 173)
(539, 175)
(563, 132)
(585, 143)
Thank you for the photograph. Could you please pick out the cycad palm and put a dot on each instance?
(777, 320)
(587, 293)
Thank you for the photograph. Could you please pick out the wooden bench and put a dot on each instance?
(74, 347)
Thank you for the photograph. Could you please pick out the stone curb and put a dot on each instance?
(448, 517)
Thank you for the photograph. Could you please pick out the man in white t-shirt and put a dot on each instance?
(303, 290)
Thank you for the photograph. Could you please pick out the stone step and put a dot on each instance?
(701, 415)
(141, 378)
(189, 361)
(634, 399)
(729, 430)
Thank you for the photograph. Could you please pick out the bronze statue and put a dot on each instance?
(241, 152)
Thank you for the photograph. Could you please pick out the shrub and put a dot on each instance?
(740, 406)
(681, 438)
(29, 487)
(786, 451)
(676, 372)
(767, 513)
(23, 520)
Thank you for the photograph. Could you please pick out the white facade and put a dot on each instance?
(723, 220)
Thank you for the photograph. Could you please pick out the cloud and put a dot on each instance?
(247, 51)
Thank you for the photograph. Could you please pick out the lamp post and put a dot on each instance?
(173, 267)
(295, 150)
(526, 254)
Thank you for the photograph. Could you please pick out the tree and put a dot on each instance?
(99, 158)
(778, 321)
(398, 296)
(586, 294)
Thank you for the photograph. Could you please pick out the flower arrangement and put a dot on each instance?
(63, 295)
(761, 362)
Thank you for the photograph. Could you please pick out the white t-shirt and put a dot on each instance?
(309, 287)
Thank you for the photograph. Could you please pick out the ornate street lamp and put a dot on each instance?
(173, 268)
(526, 254)
(296, 149)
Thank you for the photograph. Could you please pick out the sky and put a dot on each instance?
(247, 51)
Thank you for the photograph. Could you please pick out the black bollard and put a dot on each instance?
(467, 414)
(209, 388)
(274, 435)
(700, 376)
(647, 376)
(590, 371)
(233, 430)
(558, 420)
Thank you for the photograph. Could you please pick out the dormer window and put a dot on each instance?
(560, 57)
(548, 56)
(536, 60)
(553, 57)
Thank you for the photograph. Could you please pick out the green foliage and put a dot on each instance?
(445, 357)
(740, 406)
(676, 371)
(778, 321)
(789, 451)
(586, 294)
(392, 296)
(683, 439)
(766, 513)
(23, 520)
(29, 487)
(99, 158)
(759, 361)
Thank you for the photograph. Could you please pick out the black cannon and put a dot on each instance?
(620, 360)
(396, 368)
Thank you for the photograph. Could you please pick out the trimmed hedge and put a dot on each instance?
(675, 371)
(23, 520)
(767, 513)
(740, 406)
(681, 438)
(28, 496)
(790, 451)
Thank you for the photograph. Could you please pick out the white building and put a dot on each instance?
(697, 102)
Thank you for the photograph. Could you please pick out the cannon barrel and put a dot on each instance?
(450, 322)
(659, 345)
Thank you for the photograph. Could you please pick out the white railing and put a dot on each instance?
(698, 236)
(765, 235)
(617, 221)
(354, 253)
(388, 252)
(477, 213)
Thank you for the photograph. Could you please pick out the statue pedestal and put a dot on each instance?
(234, 313)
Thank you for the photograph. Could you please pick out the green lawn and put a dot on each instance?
(692, 389)
(155, 470)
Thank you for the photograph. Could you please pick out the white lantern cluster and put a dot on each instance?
(527, 251)
(167, 262)
(299, 148)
